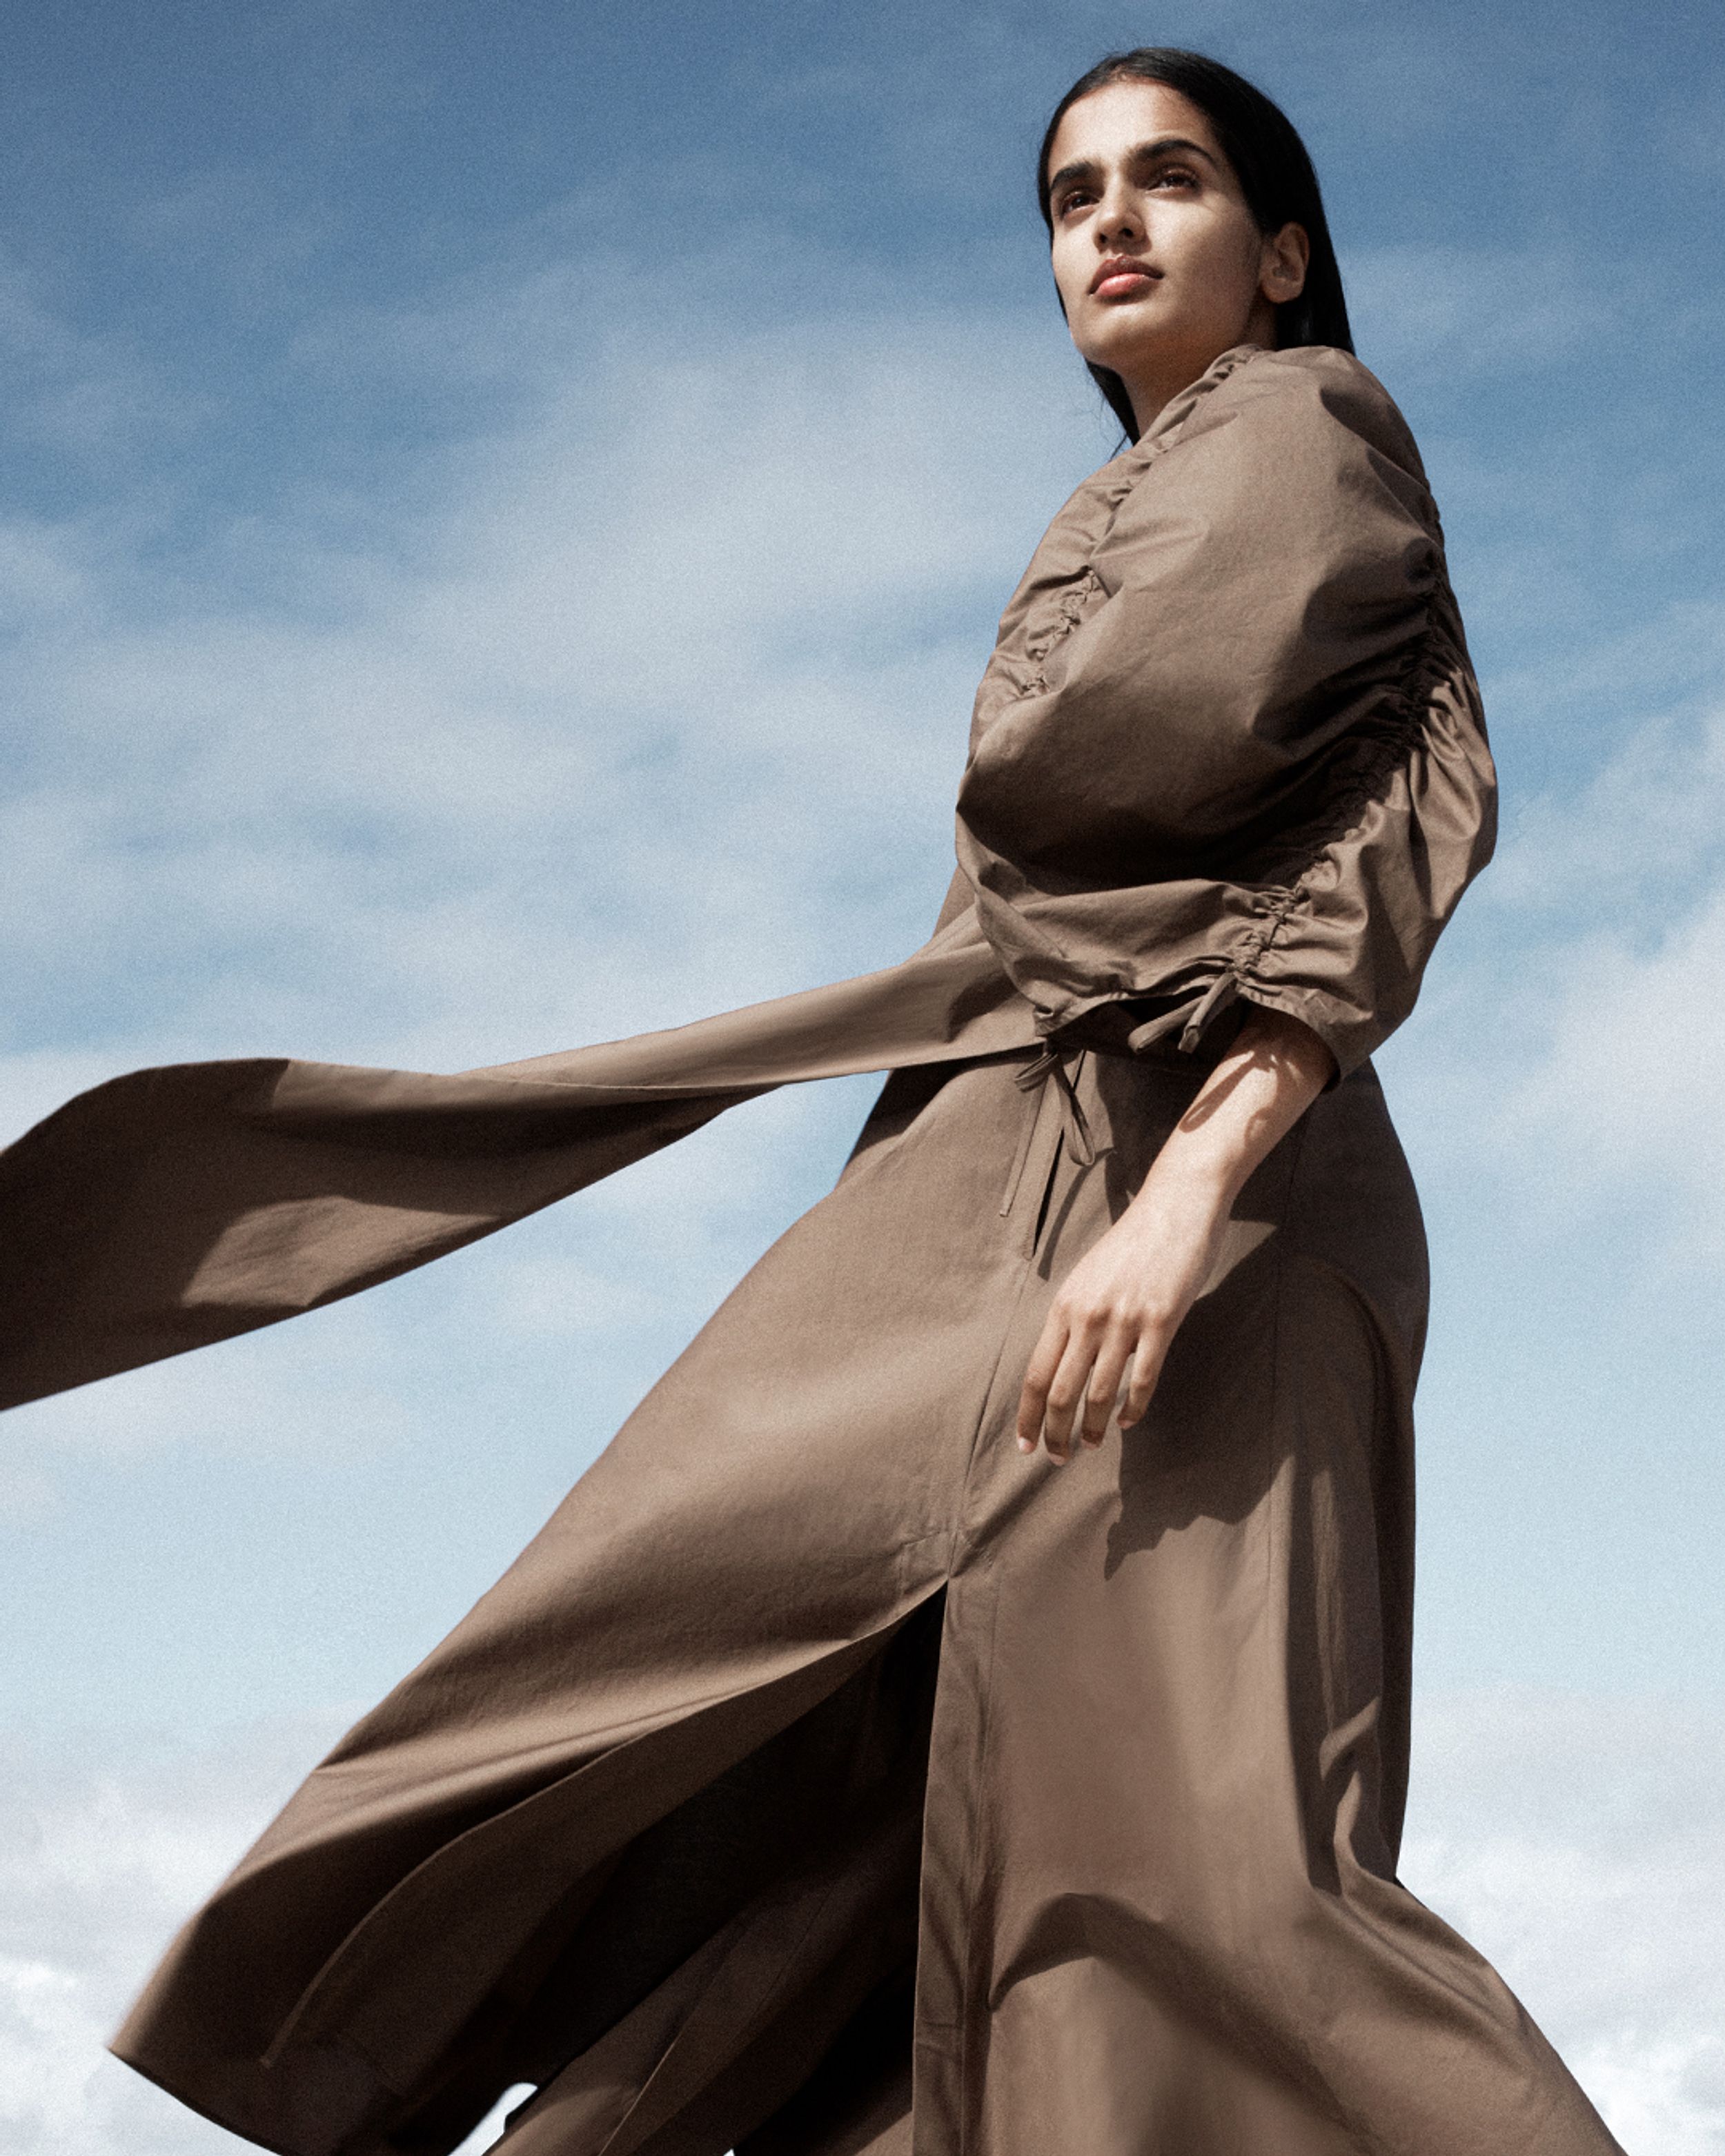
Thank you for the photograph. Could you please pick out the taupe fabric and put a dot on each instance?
(171, 1207)
(826, 1778)
(1229, 744)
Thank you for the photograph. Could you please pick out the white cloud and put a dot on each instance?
(1645, 825)
(106, 1845)
(1573, 1039)
(637, 707)
(1580, 1844)
(306, 1394)
(1629, 1077)
(40, 573)
(102, 1857)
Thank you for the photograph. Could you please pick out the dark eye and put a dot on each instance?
(1074, 198)
(1178, 176)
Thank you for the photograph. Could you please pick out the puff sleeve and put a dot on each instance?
(1230, 746)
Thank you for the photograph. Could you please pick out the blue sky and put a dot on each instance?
(504, 507)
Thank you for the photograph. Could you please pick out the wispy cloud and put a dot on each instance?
(103, 1857)
(86, 395)
(1436, 311)
(1579, 1843)
(1579, 1047)
(109, 1845)
(562, 749)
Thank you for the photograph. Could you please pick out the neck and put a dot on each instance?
(1164, 375)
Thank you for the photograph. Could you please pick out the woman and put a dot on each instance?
(831, 1775)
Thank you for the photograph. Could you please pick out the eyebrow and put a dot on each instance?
(1088, 169)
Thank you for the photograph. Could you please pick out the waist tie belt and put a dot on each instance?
(1074, 1136)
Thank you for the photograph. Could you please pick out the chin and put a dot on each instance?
(1161, 348)
(1127, 355)
(1130, 341)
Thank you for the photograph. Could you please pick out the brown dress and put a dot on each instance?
(828, 1777)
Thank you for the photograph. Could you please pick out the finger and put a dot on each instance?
(1039, 1376)
(1104, 1387)
(1065, 1395)
(1148, 1360)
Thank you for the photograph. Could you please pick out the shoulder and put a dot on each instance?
(1329, 387)
(1312, 403)
(1303, 435)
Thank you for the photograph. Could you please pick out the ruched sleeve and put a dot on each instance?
(1230, 746)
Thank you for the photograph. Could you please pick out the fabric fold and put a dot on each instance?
(172, 1208)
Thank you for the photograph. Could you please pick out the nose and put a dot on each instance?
(1118, 218)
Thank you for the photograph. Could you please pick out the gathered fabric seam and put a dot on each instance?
(1076, 596)
(1403, 706)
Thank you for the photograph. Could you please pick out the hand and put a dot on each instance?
(1120, 1307)
(1126, 1298)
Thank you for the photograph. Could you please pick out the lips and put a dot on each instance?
(1121, 275)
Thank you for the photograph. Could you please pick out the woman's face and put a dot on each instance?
(1159, 263)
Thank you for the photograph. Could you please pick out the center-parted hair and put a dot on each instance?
(1274, 170)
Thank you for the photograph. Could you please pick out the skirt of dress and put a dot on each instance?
(829, 1779)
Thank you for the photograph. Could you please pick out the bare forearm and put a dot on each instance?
(1271, 1075)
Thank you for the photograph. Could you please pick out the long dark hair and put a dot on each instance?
(1274, 173)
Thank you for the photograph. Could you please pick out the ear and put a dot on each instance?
(1282, 265)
